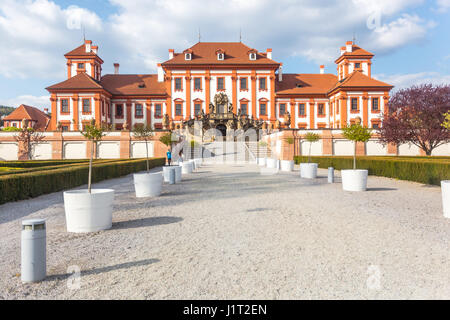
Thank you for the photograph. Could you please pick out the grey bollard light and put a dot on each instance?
(330, 175)
(34, 247)
(172, 175)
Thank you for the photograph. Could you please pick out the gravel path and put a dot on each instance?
(228, 232)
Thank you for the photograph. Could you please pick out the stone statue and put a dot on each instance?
(287, 119)
(277, 124)
(230, 108)
(264, 125)
(58, 126)
(166, 121)
(125, 126)
(211, 108)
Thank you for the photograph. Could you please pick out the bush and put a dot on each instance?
(22, 186)
(423, 170)
(39, 163)
(9, 129)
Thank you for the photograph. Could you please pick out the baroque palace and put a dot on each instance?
(222, 82)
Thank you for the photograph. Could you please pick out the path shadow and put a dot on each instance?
(381, 189)
(257, 209)
(125, 265)
(144, 222)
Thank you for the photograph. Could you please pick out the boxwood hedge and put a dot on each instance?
(21, 186)
(423, 170)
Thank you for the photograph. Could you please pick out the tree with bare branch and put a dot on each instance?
(28, 137)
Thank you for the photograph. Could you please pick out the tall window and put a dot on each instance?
(357, 65)
(301, 109)
(197, 84)
(80, 66)
(86, 105)
(197, 108)
(262, 84)
(65, 106)
(282, 109)
(158, 110)
(178, 84)
(262, 109)
(320, 109)
(243, 108)
(178, 109)
(138, 110)
(354, 104)
(220, 83)
(119, 110)
(375, 106)
(243, 83)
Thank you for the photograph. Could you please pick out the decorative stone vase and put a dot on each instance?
(261, 162)
(354, 180)
(308, 170)
(445, 189)
(287, 165)
(148, 184)
(88, 212)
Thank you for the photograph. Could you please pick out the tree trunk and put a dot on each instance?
(309, 155)
(146, 149)
(90, 166)
(354, 156)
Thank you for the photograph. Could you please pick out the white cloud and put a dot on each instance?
(35, 35)
(443, 5)
(406, 80)
(35, 101)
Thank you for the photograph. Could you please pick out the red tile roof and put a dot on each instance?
(80, 81)
(128, 84)
(308, 84)
(359, 80)
(29, 113)
(205, 53)
(356, 52)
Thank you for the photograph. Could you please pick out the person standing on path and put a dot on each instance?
(169, 156)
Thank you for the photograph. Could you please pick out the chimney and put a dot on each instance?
(95, 49)
(280, 73)
(171, 52)
(160, 73)
(88, 45)
(322, 69)
(349, 45)
(116, 68)
(269, 53)
(342, 50)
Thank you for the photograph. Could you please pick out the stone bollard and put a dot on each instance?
(34, 247)
(330, 175)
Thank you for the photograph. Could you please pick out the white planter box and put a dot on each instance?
(177, 174)
(148, 184)
(354, 180)
(166, 172)
(88, 212)
(186, 167)
(287, 165)
(261, 162)
(272, 163)
(193, 164)
(308, 170)
(198, 163)
(445, 189)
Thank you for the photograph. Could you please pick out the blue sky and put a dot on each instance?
(410, 38)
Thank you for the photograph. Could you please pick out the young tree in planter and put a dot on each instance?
(144, 132)
(416, 115)
(28, 136)
(93, 133)
(311, 137)
(356, 133)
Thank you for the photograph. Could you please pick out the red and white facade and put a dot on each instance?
(187, 82)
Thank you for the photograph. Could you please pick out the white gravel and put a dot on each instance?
(228, 232)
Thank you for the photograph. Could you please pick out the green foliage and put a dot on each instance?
(289, 140)
(15, 187)
(356, 132)
(93, 132)
(312, 137)
(166, 139)
(262, 143)
(419, 169)
(446, 123)
(10, 129)
(39, 163)
(142, 132)
(194, 144)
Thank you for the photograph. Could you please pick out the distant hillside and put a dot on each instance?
(5, 111)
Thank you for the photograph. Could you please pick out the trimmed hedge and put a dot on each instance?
(16, 187)
(39, 163)
(423, 170)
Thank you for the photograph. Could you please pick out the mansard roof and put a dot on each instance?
(133, 84)
(205, 53)
(305, 84)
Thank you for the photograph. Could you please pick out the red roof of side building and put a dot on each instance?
(206, 53)
(29, 113)
(359, 80)
(133, 84)
(79, 82)
(305, 84)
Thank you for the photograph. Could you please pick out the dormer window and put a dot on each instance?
(220, 56)
(252, 56)
(188, 56)
(80, 66)
(357, 65)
